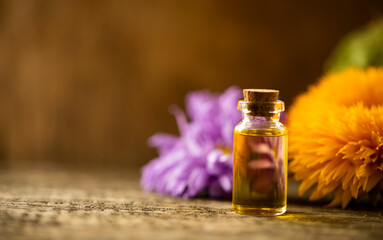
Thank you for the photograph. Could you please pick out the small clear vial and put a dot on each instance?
(260, 155)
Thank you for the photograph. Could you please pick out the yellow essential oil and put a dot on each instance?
(260, 155)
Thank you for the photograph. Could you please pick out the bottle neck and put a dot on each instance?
(261, 112)
(272, 118)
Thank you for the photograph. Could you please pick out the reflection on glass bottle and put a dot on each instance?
(260, 156)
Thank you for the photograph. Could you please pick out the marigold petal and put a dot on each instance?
(346, 198)
(373, 180)
(339, 135)
(337, 199)
(347, 179)
(329, 188)
(305, 185)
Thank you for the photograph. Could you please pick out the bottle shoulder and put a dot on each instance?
(264, 129)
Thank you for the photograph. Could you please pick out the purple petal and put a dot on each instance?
(163, 142)
(229, 114)
(201, 105)
(198, 181)
(283, 117)
(195, 161)
(216, 191)
(218, 162)
(180, 118)
(226, 182)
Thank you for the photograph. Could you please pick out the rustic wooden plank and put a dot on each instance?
(58, 204)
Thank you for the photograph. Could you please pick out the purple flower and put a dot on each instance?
(200, 159)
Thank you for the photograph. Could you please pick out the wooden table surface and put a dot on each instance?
(63, 204)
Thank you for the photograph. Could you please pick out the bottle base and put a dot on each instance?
(262, 211)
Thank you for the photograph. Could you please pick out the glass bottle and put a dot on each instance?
(260, 155)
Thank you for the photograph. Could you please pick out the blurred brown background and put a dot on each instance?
(85, 83)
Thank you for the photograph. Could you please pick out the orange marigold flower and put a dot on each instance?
(336, 135)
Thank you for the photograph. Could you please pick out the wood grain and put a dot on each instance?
(60, 204)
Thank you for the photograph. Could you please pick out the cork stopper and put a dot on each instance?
(260, 95)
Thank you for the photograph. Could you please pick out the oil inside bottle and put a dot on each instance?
(260, 171)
